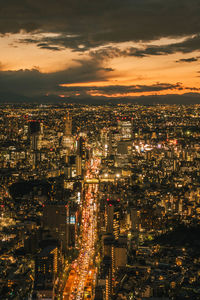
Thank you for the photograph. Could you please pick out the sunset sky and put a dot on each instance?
(79, 49)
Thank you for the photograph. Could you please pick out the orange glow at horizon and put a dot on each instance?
(159, 93)
(130, 94)
(124, 70)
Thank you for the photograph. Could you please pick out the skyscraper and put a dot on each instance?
(68, 125)
(61, 220)
(125, 128)
(55, 220)
(35, 130)
(46, 269)
(81, 150)
(68, 141)
(112, 218)
(34, 133)
(78, 166)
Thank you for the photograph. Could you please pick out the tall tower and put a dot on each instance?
(68, 141)
(68, 125)
(35, 140)
(78, 166)
(34, 132)
(112, 217)
(81, 149)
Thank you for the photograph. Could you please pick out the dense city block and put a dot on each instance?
(99, 202)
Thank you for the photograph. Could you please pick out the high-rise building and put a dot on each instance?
(81, 149)
(125, 128)
(78, 166)
(35, 131)
(114, 257)
(61, 221)
(120, 253)
(68, 125)
(55, 220)
(46, 270)
(68, 140)
(116, 224)
(112, 217)
(34, 127)
(107, 264)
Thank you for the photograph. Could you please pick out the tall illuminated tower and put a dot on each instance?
(35, 134)
(68, 141)
(68, 125)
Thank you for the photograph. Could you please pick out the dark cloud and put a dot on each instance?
(84, 24)
(124, 90)
(188, 60)
(33, 82)
(187, 46)
(61, 41)
(46, 46)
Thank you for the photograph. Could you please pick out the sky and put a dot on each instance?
(91, 49)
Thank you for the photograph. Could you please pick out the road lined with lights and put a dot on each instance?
(81, 279)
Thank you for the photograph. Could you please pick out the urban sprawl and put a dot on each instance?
(99, 202)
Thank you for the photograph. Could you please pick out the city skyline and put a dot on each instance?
(99, 150)
(99, 202)
(112, 50)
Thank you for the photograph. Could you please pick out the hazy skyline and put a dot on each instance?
(89, 49)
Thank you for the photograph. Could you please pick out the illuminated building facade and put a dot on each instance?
(125, 128)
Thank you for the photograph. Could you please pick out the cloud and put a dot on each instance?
(188, 45)
(124, 90)
(60, 41)
(188, 60)
(84, 24)
(34, 83)
(46, 46)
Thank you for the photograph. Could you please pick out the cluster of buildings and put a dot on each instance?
(148, 199)
(149, 186)
(42, 169)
